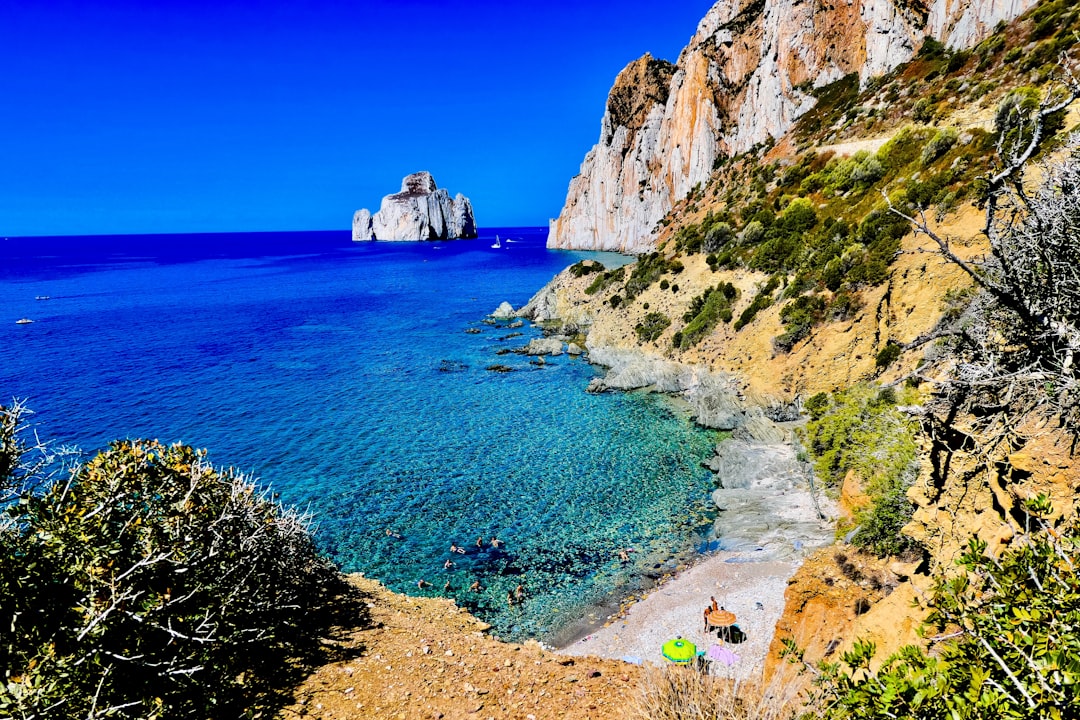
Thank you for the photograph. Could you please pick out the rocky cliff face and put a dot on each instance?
(421, 211)
(743, 78)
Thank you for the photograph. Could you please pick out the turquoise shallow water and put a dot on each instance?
(342, 375)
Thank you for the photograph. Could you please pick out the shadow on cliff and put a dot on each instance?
(326, 634)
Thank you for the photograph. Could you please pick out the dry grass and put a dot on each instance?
(682, 693)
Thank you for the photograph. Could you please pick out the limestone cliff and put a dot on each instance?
(745, 77)
(421, 211)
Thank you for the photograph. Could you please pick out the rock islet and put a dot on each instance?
(420, 211)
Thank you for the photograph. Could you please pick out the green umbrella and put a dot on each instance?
(679, 651)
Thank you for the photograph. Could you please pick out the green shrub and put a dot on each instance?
(799, 317)
(816, 405)
(604, 279)
(924, 110)
(761, 301)
(940, 144)
(1013, 648)
(652, 326)
(705, 312)
(718, 236)
(150, 585)
(861, 430)
(584, 267)
(646, 271)
(887, 355)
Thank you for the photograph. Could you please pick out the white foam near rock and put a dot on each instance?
(421, 211)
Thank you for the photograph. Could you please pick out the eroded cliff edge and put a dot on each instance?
(745, 77)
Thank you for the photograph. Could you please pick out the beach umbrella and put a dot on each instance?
(721, 618)
(679, 651)
(722, 654)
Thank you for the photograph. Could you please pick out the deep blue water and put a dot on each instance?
(341, 374)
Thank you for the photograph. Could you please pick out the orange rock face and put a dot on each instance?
(745, 77)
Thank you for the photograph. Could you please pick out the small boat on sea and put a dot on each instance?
(496, 243)
(23, 321)
(42, 297)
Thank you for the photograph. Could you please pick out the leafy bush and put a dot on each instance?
(887, 355)
(705, 311)
(816, 405)
(799, 316)
(584, 267)
(604, 279)
(861, 430)
(646, 271)
(149, 585)
(652, 326)
(938, 145)
(761, 301)
(1015, 650)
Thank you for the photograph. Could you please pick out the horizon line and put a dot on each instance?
(234, 232)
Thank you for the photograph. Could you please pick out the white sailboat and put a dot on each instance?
(496, 244)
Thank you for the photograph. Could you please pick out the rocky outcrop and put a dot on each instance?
(544, 346)
(421, 211)
(744, 78)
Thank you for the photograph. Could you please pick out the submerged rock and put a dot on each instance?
(421, 211)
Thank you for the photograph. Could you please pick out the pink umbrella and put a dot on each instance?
(722, 654)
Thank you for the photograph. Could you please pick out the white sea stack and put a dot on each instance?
(420, 211)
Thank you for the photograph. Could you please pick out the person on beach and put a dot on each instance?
(475, 587)
(705, 615)
(714, 606)
(624, 556)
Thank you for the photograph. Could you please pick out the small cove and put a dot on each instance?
(352, 379)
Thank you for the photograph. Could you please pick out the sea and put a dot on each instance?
(353, 380)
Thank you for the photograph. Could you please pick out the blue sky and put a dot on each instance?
(138, 117)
